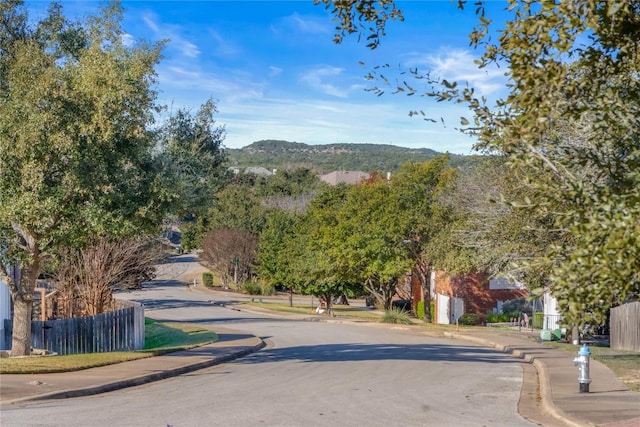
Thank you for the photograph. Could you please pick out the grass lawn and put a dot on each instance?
(160, 338)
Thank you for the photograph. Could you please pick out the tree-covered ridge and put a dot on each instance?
(277, 154)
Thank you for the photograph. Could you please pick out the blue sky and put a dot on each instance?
(275, 72)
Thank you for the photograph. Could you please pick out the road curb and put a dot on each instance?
(146, 378)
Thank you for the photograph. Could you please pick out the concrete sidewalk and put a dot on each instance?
(609, 403)
(231, 345)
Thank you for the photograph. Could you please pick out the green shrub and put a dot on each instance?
(469, 319)
(501, 317)
(252, 288)
(432, 308)
(396, 316)
(497, 317)
(420, 310)
(268, 289)
(538, 320)
(207, 279)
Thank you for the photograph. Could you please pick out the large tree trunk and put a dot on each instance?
(423, 272)
(383, 292)
(22, 296)
(21, 341)
(22, 285)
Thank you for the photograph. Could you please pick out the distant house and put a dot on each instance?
(344, 177)
(258, 171)
(473, 293)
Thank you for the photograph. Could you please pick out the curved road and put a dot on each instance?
(311, 374)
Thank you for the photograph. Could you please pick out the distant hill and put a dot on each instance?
(275, 154)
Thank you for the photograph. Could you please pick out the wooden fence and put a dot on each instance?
(120, 330)
(625, 327)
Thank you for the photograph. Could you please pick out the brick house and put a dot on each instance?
(474, 293)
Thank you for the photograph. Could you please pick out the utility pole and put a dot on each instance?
(235, 261)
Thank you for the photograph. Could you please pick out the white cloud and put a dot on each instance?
(222, 46)
(317, 80)
(172, 33)
(311, 25)
(192, 86)
(458, 65)
(128, 40)
(187, 48)
(274, 71)
(150, 19)
(296, 23)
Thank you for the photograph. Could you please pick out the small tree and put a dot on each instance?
(230, 253)
(88, 276)
(274, 251)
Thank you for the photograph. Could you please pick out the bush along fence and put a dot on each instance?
(624, 329)
(119, 330)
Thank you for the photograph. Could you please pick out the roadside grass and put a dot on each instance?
(160, 338)
(625, 364)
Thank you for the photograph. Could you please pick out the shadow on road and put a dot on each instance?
(225, 319)
(170, 303)
(368, 352)
(180, 259)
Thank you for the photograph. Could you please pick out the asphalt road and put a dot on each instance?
(311, 374)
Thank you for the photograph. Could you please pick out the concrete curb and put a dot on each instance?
(547, 404)
(144, 379)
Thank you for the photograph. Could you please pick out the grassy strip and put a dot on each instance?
(160, 338)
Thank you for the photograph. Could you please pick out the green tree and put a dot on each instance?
(312, 267)
(291, 182)
(238, 207)
(422, 219)
(193, 159)
(75, 153)
(569, 127)
(275, 250)
(366, 244)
